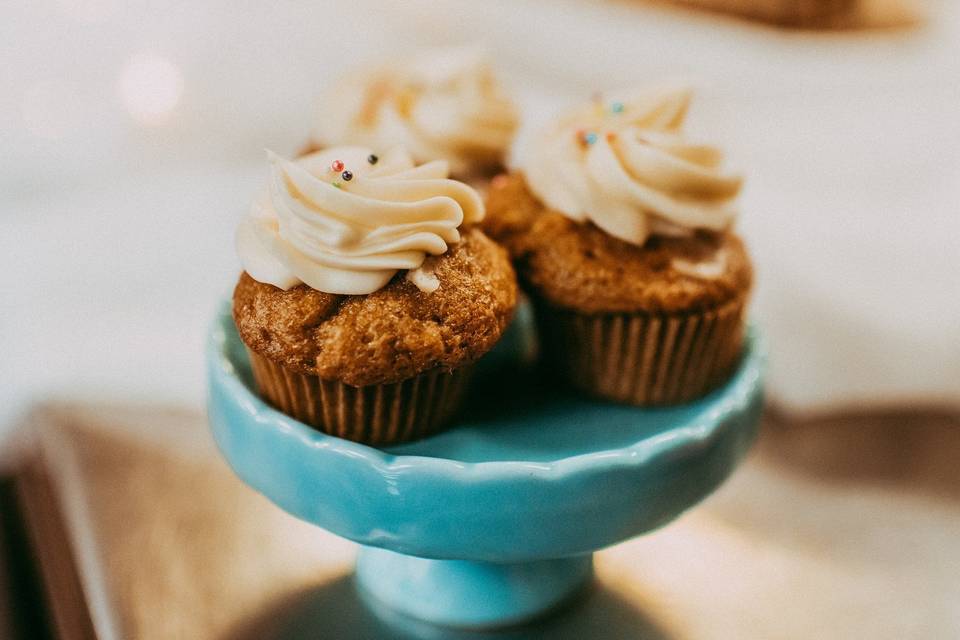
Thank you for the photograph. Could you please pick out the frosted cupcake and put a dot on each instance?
(620, 230)
(444, 104)
(363, 301)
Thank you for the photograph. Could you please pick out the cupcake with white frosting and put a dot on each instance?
(441, 104)
(364, 302)
(621, 232)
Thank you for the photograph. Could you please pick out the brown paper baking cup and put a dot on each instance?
(643, 359)
(376, 414)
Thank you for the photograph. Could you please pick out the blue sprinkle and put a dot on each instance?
(617, 107)
(590, 138)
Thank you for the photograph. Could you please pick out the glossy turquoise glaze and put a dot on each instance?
(462, 593)
(531, 472)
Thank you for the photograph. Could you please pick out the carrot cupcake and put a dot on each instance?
(620, 230)
(363, 301)
(442, 104)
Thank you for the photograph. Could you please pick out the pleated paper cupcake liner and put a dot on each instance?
(376, 414)
(643, 359)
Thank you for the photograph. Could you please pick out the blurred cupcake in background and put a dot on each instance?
(439, 105)
(363, 302)
(620, 229)
(819, 14)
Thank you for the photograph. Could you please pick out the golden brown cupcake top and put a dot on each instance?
(389, 335)
(578, 266)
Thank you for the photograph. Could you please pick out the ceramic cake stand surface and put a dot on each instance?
(494, 521)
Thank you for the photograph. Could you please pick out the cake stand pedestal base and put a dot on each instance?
(466, 594)
(514, 498)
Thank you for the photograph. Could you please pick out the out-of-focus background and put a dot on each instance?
(133, 136)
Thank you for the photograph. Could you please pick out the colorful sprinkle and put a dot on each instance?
(347, 176)
(616, 107)
(372, 159)
(335, 185)
(337, 166)
(586, 138)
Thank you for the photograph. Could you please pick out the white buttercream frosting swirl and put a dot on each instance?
(441, 104)
(624, 164)
(351, 236)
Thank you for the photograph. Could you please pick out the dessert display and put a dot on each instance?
(365, 297)
(372, 285)
(817, 14)
(620, 230)
(439, 105)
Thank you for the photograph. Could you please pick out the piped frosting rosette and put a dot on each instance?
(344, 221)
(624, 164)
(443, 104)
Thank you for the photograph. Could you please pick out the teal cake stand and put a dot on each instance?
(495, 521)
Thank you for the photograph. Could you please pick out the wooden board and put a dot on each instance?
(837, 529)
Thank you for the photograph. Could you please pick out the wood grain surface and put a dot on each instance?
(841, 528)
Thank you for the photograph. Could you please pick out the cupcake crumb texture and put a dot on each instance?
(392, 334)
(578, 266)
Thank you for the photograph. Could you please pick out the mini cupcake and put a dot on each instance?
(620, 230)
(443, 104)
(363, 303)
